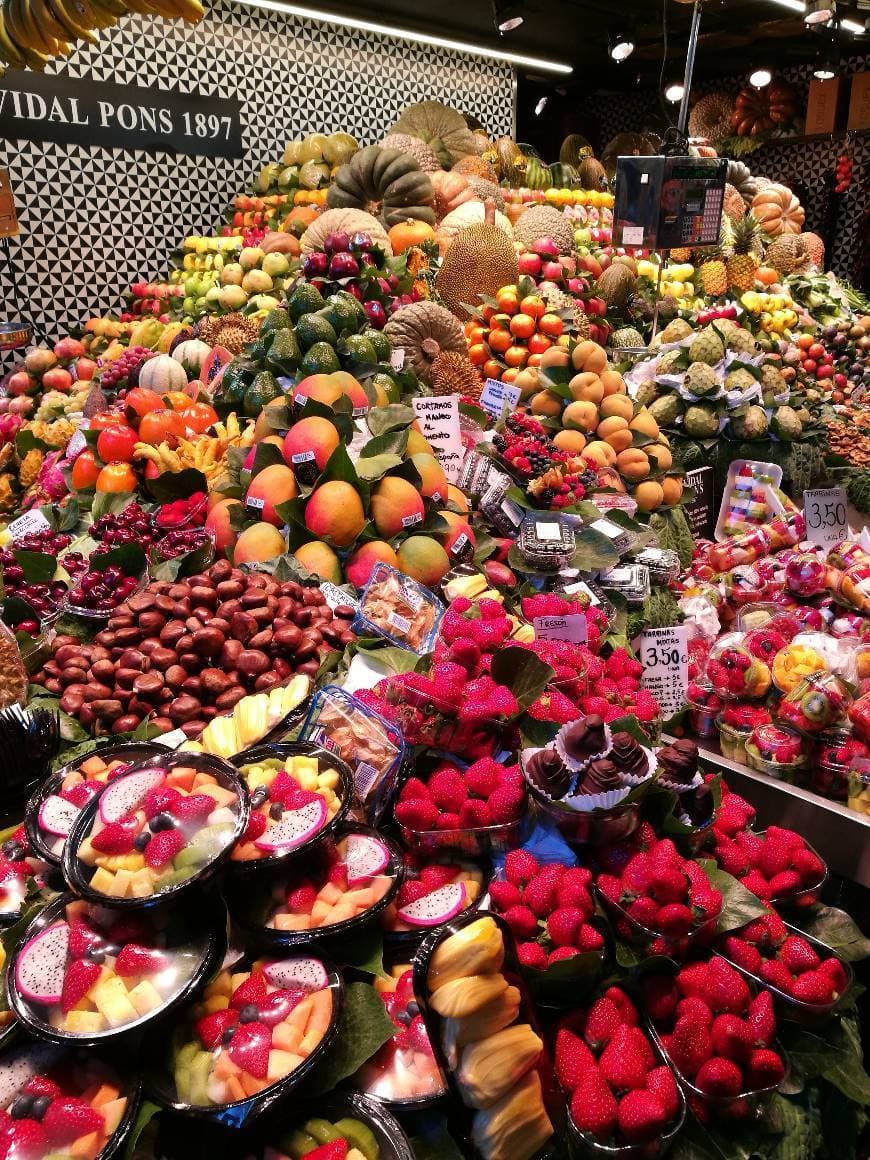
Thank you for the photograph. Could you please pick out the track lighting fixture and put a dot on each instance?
(507, 15)
(620, 45)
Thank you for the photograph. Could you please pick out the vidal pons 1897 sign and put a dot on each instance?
(81, 111)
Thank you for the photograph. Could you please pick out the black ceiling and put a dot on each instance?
(575, 32)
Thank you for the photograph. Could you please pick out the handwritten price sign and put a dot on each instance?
(664, 654)
(825, 515)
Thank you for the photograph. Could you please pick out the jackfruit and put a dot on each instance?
(516, 1126)
(496, 1015)
(491, 1067)
(462, 997)
(476, 949)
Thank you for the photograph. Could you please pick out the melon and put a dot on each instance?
(192, 354)
(162, 374)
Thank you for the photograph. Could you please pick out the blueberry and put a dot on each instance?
(404, 1018)
(162, 821)
(276, 811)
(13, 851)
(96, 955)
(227, 1035)
(249, 1013)
(40, 1107)
(20, 1110)
(413, 1008)
(141, 841)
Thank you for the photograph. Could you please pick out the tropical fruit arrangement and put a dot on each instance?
(344, 760)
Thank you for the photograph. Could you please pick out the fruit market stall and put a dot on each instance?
(423, 756)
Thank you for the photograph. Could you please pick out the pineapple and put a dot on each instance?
(714, 275)
(681, 255)
(742, 262)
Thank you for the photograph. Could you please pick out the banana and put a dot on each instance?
(190, 11)
(72, 16)
(17, 33)
(46, 31)
(115, 7)
(474, 950)
(35, 60)
(8, 49)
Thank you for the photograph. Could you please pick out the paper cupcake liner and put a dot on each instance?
(632, 780)
(579, 766)
(585, 803)
(679, 787)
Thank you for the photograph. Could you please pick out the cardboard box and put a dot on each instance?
(859, 105)
(823, 105)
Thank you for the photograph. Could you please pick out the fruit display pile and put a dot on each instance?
(331, 554)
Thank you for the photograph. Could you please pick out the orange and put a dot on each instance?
(477, 354)
(492, 369)
(499, 341)
(116, 477)
(538, 343)
(516, 356)
(475, 333)
(522, 326)
(161, 426)
(508, 300)
(510, 375)
(177, 400)
(534, 305)
(551, 324)
(500, 322)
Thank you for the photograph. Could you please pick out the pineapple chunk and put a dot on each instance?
(142, 883)
(87, 853)
(328, 779)
(112, 1001)
(216, 1003)
(145, 997)
(121, 885)
(102, 881)
(84, 1022)
(281, 1063)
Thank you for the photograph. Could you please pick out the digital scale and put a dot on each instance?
(667, 203)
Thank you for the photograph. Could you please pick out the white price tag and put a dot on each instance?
(572, 628)
(76, 445)
(498, 395)
(664, 654)
(172, 740)
(632, 235)
(31, 523)
(397, 358)
(335, 596)
(825, 515)
(439, 421)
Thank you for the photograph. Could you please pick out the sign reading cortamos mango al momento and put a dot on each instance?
(82, 111)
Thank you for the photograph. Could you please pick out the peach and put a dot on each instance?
(319, 559)
(334, 512)
(664, 461)
(257, 543)
(617, 405)
(433, 480)
(546, 403)
(571, 441)
(599, 451)
(587, 387)
(672, 488)
(580, 416)
(615, 432)
(423, 559)
(397, 506)
(555, 356)
(645, 424)
(272, 486)
(649, 495)
(360, 563)
(313, 436)
(633, 464)
(528, 381)
(220, 522)
(614, 383)
(589, 356)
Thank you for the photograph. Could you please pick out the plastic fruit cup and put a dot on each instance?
(595, 827)
(732, 741)
(702, 718)
(482, 840)
(764, 741)
(393, 1143)
(859, 788)
(403, 937)
(821, 701)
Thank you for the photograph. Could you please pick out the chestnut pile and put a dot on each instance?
(181, 653)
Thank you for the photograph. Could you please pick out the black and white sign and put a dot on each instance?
(39, 107)
(664, 655)
(825, 515)
(701, 511)
(497, 396)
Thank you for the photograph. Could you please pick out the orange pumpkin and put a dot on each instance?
(451, 191)
(404, 235)
(777, 210)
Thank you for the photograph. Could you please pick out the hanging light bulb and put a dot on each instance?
(760, 78)
(541, 105)
(620, 45)
(674, 92)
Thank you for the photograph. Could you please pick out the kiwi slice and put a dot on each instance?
(322, 1131)
(300, 1144)
(359, 1135)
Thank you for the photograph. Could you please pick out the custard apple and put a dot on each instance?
(772, 380)
(707, 347)
(646, 393)
(786, 423)
(666, 364)
(666, 410)
(676, 330)
(701, 379)
(752, 424)
(627, 336)
(726, 325)
(701, 421)
(741, 342)
(740, 380)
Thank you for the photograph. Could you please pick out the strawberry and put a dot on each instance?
(732, 1037)
(138, 960)
(742, 953)
(24, 1139)
(82, 939)
(116, 837)
(482, 777)
(646, 912)
(695, 1009)
(588, 938)
(573, 1058)
(448, 821)
(660, 1081)
(692, 980)
(66, 1119)
(250, 990)
(540, 895)
(506, 805)
(438, 874)
(80, 976)
(777, 975)
(161, 800)
(278, 1004)
(447, 789)
(690, 1046)
(417, 814)
(520, 867)
(809, 866)
(784, 884)
(282, 787)
(418, 1037)
(642, 1045)
(761, 1019)
(522, 922)
(563, 924)
(624, 1005)
(660, 997)
(726, 989)
(706, 901)
(622, 1063)
(249, 1048)
(675, 920)
(769, 930)
(642, 1116)
(750, 844)
(561, 953)
(335, 1150)
(774, 857)
(81, 793)
(731, 858)
(162, 848)
(593, 1107)
(411, 891)
(602, 1020)
(798, 955)
(572, 893)
(302, 899)
(41, 1085)
(764, 1069)
(195, 807)
(668, 885)
(414, 789)
(834, 969)
(719, 1077)
(504, 895)
(532, 954)
(814, 987)
(474, 814)
(211, 1028)
(256, 826)
(637, 875)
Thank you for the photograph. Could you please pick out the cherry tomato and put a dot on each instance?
(116, 443)
(85, 470)
(116, 477)
(200, 416)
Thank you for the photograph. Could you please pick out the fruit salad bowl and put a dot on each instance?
(433, 892)
(156, 831)
(58, 801)
(252, 1036)
(85, 973)
(370, 1131)
(298, 792)
(65, 1102)
(337, 889)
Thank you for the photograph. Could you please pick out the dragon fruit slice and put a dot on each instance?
(433, 909)
(309, 974)
(22, 1063)
(364, 857)
(124, 795)
(294, 828)
(56, 815)
(41, 965)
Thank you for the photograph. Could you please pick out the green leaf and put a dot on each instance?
(187, 564)
(838, 930)
(394, 659)
(594, 552)
(364, 952)
(739, 905)
(567, 983)
(110, 503)
(177, 484)
(392, 442)
(375, 467)
(70, 729)
(832, 1052)
(364, 1027)
(436, 1144)
(266, 455)
(73, 753)
(390, 418)
(130, 558)
(524, 674)
(147, 1111)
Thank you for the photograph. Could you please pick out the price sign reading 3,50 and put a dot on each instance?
(826, 516)
(656, 655)
(664, 654)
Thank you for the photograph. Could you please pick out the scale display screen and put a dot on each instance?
(664, 203)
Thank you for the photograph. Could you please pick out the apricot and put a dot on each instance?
(320, 560)
(457, 498)
(396, 506)
(633, 464)
(528, 381)
(360, 563)
(257, 543)
(645, 424)
(620, 405)
(433, 481)
(334, 512)
(580, 416)
(546, 403)
(272, 486)
(571, 441)
(587, 387)
(423, 559)
(313, 436)
(220, 522)
(664, 461)
(589, 356)
(554, 356)
(599, 451)
(615, 432)
(649, 495)
(672, 487)
(614, 383)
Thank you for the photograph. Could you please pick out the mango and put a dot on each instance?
(272, 486)
(257, 543)
(219, 522)
(360, 563)
(319, 559)
(312, 436)
(334, 512)
(433, 483)
(397, 506)
(423, 559)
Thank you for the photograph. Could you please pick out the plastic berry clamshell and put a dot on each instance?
(806, 895)
(366, 1125)
(300, 791)
(703, 703)
(454, 887)
(476, 974)
(103, 1093)
(235, 1063)
(371, 746)
(776, 751)
(85, 974)
(55, 806)
(398, 608)
(335, 891)
(179, 845)
(634, 932)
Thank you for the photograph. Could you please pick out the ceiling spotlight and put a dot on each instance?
(820, 11)
(827, 62)
(760, 78)
(674, 92)
(507, 15)
(620, 45)
(541, 105)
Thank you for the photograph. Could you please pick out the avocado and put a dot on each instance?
(356, 353)
(320, 359)
(305, 299)
(380, 342)
(284, 354)
(340, 310)
(262, 391)
(313, 328)
(277, 319)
